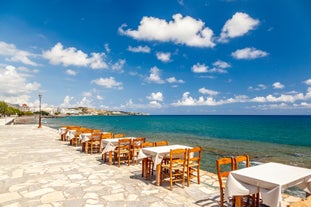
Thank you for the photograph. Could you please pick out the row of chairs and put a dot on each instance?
(224, 166)
(127, 150)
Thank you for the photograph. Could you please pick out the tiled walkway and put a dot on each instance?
(37, 169)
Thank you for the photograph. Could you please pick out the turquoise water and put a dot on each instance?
(285, 139)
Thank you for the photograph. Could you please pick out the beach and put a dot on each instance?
(37, 169)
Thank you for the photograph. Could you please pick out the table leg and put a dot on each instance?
(239, 201)
(158, 174)
(110, 157)
(86, 147)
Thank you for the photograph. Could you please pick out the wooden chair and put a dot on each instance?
(242, 161)
(123, 151)
(107, 135)
(161, 143)
(175, 168)
(94, 144)
(120, 135)
(149, 164)
(224, 166)
(135, 147)
(193, 164)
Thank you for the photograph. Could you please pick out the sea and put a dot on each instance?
(283, 139)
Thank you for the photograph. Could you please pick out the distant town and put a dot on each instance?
(16, 109)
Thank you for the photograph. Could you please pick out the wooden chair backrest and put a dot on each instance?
(224, 166)
(107, 135)
(241, 159)
(147, 144)
(178, 156)
(124, 144)
(119, 135)
(194, 155)
(96, 136)
(136, 142)
(161, 143)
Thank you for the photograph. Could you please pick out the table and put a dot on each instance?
(71, 133)
(62, 132)
(269, 179)
(157, 154)
(109, 145)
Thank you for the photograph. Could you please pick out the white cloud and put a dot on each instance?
(174, 80)
(208, 92)
(85, 102)
(98, 97)
(107, 48)
(199, 68)
(16, 55)
(248, 53)
(278, 85)
(259, 87)
(221, 64)
(14, 87)
(142, 49)
(108, 83)
(187, 100)
(308, 82)
(155, 76)
(181, 30)
(87, 94)
(71, 56)
(164, 56)
(158, 96)
(237, 26)
(67, 102)
(71, 72)
(118, 66)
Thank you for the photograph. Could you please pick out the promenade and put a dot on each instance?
(37, 169)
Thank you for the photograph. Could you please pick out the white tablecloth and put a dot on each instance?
(110, 144)
(62, 130)
(71, 134)
(158, 153)
(269, 179)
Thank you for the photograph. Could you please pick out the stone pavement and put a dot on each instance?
(37, 169)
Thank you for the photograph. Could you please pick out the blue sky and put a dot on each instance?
(158, 57)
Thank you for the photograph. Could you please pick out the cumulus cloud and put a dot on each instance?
(249, 53)
(164, 56)
(108, 83)
(259, 87)
(199, 68)
(139, 49)
(208, 92)
(278, 85)
(71, 56)
(71, 72)
(155, 76)
(118, 66)
(15, 55)
(308, 82)
(237, 26)
(14, 86)
(158, 96)
(174, 80)
(292, 99)
(181, 30)
(67, 102)
(155, 99)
